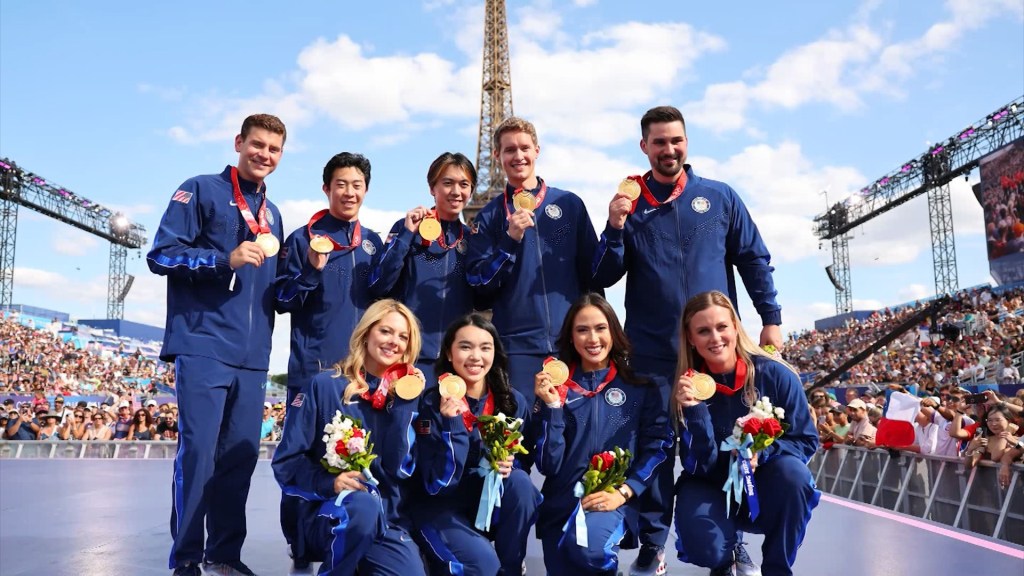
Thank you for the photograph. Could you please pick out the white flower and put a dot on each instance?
(327, 437)
(346, 424)
(501, 418)
(780, 413)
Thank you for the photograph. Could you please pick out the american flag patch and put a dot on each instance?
(298, 400)
(423, 427)
(182, 196)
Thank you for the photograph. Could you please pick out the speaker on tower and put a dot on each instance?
(832, 277)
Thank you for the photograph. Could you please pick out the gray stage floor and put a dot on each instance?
(110, 517)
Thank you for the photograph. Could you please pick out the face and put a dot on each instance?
(472, 353)
(518, 156)
(451, 192)
(665, 148)
(123, 411)
(386, 343)
(592, 338)
(851, 394)
(857, 414)
(712, 333)
(345, 193)
(258, 154)
(996, 422)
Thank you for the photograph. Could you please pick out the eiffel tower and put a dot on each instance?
(495, 106)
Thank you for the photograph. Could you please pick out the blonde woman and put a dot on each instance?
(368, 530)
(712, 341)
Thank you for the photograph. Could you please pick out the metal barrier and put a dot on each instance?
(936, 488)
(117, 449)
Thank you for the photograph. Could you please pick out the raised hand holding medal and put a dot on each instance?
(624, 202)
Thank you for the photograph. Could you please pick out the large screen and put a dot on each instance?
(1002, 198)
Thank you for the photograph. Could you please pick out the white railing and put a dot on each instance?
(121, 449)
(935, 488)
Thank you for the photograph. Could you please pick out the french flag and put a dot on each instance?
(896, 428)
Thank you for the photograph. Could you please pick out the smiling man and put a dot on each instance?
(323, 280)
(217, 244)
(531, 254)
(680, 236)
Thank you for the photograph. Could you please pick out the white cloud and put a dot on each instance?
(36, 278)
(73, 242)
(914, 292)
(584, 3)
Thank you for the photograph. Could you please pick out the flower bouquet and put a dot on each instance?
(750, 435)
(348, 448)
(606, 471)
(501, 438)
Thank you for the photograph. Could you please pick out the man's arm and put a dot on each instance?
(747, 252)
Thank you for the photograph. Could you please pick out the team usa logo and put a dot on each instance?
(369, 248)
(182, 196)
(700, 205)
(615, 397)
(270, 217)
(553, 211)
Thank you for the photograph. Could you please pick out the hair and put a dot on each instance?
(497, 377)
(621, 348)
(266, 122)
(351, 367)
(997, 409)
(442, 162)
(513, 124)
(146, 416)
(347, 160)
(746, 349)
(660, 115)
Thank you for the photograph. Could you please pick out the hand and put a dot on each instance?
(316, 259)
(450, 407)
(772, 334)
(246, 253)
(545, 389)
(505, 466)
(990, 397)
(603, 501)
(684, 392)
(349, 481)
(518, 223)
(618, 210)
(1004, 476)
(414, 217)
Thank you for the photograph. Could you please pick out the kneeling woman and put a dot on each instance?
(602, 406)
(449, 449)
(368, 530)
(713, 341)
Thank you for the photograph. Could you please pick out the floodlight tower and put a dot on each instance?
(495, 105)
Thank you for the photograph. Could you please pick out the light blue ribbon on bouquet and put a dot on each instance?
(579, 517)
(371, 486)
(734, 484)
(490, 497)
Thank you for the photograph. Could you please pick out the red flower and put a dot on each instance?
(752, 426)
(357, 432)
(608, 459)
(596, 462)
(340, 448)
(771, 427)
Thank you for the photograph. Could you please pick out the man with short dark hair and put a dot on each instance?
(217, 245)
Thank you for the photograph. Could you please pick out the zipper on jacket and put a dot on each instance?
(544, 290)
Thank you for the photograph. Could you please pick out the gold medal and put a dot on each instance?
(321, 244)
(409, 387)
(558, 371)
(268, 243)
(629, 188)
(524, 201)
(430, 229)
(452, 386)
(703, 386)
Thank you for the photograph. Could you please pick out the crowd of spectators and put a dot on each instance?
(976, 338)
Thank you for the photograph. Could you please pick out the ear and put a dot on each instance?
(238, 143)
(643, 145)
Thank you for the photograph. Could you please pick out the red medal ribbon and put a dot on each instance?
(441, 241)
(380, 395)
(612, 371)
(642, 181)
(357, 232)
(540, 197)
(469, 419)
(262, 227)
(739, 380)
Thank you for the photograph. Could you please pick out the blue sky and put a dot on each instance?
(121, 101)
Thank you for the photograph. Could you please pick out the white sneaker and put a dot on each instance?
(743, 564)
(649, 562)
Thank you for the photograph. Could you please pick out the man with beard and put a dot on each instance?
(675, 235)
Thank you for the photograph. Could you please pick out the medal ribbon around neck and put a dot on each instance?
(257, 228)
(469, 419)
(539, 196)
(646, 192)
(570, 383)
(441, 240)
(357, 232)
(738, 382)
(380, 395)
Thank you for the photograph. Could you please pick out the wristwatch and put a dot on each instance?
(625, 491)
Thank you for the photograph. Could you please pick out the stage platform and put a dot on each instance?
(110, 517)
